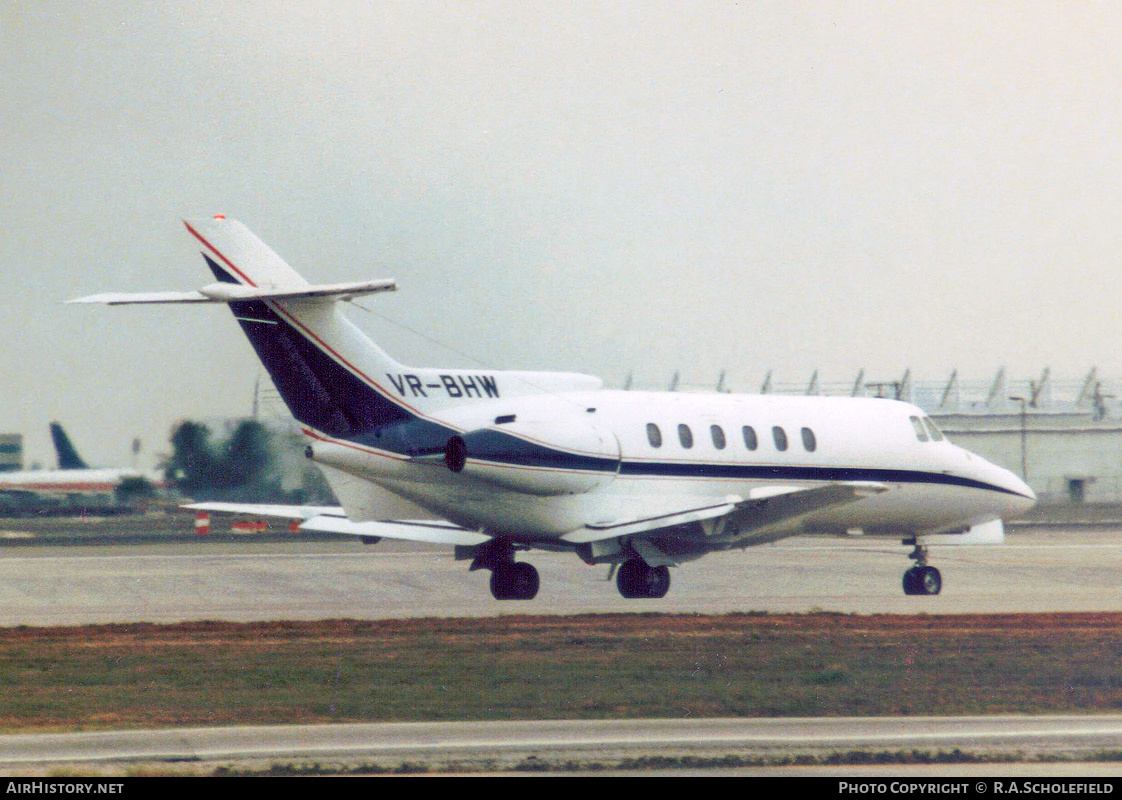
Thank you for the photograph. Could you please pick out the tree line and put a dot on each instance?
(250, 463)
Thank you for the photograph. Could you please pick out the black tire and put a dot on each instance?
(514, 581)
(923, 580)
(658, 582)
(930, 581)
(637, 580)
(630, 578)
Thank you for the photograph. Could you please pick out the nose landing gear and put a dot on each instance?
(922, 579)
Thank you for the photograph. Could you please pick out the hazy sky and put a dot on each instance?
(597, 187)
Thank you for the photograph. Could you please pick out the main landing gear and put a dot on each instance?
(510, 579)
(636, 579)
(516, 580)
(922, 579)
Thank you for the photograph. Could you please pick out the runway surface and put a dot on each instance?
(606, 743)
(1037, 571)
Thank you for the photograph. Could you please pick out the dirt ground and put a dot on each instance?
(903, 627)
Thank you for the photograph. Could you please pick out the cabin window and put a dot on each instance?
(750, 440)
(809, 441)
(936, 434)
(921, 432)
(718, 436)
(780, 437)
(685, 436)
(654, 435)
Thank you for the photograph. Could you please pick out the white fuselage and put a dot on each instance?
(933, 485)
(66, 481)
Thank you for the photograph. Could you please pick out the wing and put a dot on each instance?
(432, 531)
(332, 519)
(628, 527)
(766, 515)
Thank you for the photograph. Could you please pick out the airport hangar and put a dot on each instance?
(1064, 437)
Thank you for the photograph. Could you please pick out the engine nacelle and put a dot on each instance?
(356, 460)
(565, 456)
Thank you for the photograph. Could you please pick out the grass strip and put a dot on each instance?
(575, 667)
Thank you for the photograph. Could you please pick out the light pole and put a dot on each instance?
(1024, 436)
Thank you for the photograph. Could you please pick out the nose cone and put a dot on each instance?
(1016, 495)
(1025, 497)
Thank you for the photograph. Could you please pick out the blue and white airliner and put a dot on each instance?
(496, 463)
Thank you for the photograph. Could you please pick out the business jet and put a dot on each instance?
(496, 463)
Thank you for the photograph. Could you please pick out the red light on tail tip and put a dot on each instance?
(220, 216)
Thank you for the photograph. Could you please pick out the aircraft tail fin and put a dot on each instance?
(330, 375)
(68, 457)
(328, 372)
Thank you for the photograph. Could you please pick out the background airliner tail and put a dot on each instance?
(68, 457)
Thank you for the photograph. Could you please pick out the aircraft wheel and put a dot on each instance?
(922, 580)
(931, 582)
(635, 579)
(514, 581)
(629, 578)
(658, 582)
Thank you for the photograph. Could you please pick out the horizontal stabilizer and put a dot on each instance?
(221, 292)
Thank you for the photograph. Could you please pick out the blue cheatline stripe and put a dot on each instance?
(506, 449)
(795, 473)
(503, 449)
